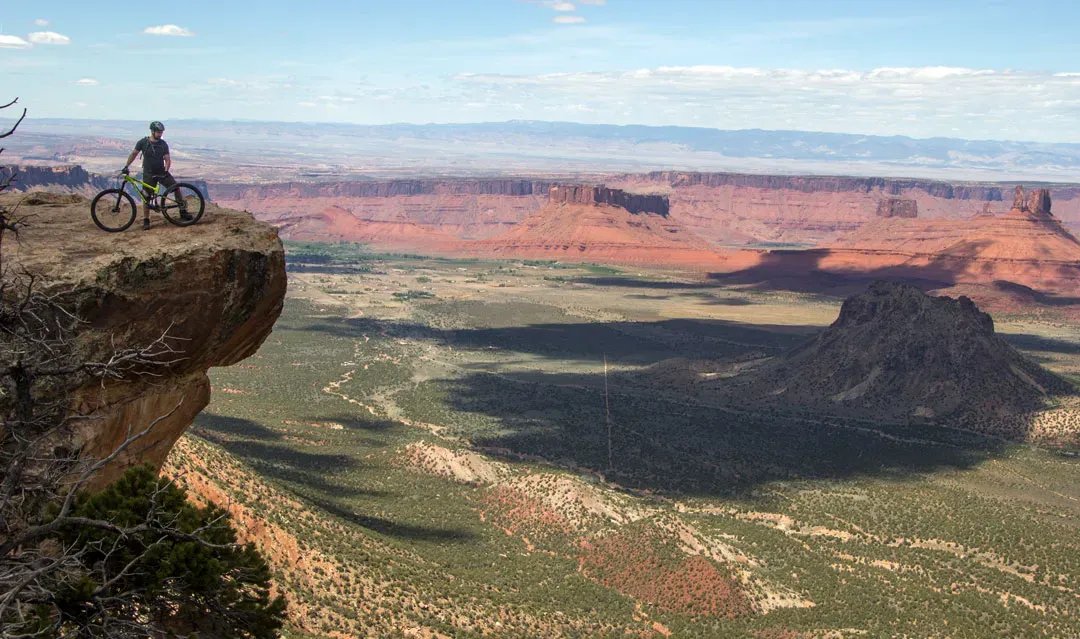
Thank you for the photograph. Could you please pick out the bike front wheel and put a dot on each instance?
(112, 210)
(182, 204)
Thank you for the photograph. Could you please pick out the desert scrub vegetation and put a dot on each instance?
(884, 529)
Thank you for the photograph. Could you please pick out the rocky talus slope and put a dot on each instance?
(214, 290)
(895, 353)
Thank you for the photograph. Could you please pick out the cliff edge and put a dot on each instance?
(214, 290)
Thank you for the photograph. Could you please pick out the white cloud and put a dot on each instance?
(13, 42)
(87, 82)
(596, 2)
(41, 22)
(49, 37)
(563, 6)
(168, 30)
(568, 19)
(914, 101)
(307, 104)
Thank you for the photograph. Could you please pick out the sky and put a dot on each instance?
(980, 69)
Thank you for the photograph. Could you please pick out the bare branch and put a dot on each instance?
(12, 129)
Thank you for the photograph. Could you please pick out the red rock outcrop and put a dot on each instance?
(735, 208)
(632, 202)
(215, 288)
(897, 207)
(581, 224)
(71, 179)
(1030, 248)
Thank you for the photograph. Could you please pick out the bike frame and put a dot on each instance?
(138, 185)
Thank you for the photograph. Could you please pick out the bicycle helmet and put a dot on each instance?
(157, 126)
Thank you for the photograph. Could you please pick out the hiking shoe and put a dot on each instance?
(146, 225)
(185, 216)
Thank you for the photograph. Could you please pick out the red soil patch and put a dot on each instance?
(650, 569)
(518, 513)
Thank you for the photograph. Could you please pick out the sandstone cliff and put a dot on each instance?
(1023, 246)
(632, 202)
(215, 289)
(383, 188)
(56, 178)
(74, 179)
(897, 207)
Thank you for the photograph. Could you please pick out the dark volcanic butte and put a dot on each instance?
(895, 353)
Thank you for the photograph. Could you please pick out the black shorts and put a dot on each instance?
(154, 180)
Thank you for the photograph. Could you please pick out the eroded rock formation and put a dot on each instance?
(1032, 249)
(897, 207)
(632, 202)
(896, 353)
(72, 179)
(214, 289)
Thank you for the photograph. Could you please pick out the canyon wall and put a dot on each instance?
(389, 188)
(75, 179)
(736, 208)
(897, 207)
(632, 202)
(725, 209)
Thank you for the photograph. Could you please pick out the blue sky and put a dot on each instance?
(979, 69)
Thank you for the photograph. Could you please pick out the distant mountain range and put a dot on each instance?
(316, 150)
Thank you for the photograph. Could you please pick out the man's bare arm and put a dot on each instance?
(131, 158)
(168, 162)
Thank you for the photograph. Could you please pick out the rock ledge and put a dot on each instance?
(216, 288)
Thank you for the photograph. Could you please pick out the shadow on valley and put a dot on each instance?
(390, 528)
(800, 271)
(660, 441)
(630, 343)
(1040, 344)
(311, 473)
(266, 450)
(632, 282)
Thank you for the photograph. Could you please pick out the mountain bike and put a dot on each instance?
(114, 210)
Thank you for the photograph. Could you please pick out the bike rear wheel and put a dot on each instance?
(182, 204)
(112, 210)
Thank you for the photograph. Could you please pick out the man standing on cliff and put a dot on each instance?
(156, 164)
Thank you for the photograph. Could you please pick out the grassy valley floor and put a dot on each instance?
(425, 448)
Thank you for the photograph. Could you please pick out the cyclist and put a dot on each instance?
(156, 163)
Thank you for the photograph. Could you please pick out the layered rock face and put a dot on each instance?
(214, 290)
(586, 223)
(1027, 245)
(734, 208)
(381, 188)
(897, 207)
(73, 179)
(896, 353)
(632, 202)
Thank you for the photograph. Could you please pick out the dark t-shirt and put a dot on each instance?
(153, 156)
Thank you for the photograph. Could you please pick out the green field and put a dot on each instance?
(432, 449)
